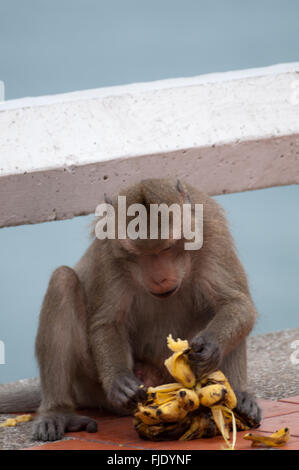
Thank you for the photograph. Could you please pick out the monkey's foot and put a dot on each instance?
(248, 409)
(52, 427)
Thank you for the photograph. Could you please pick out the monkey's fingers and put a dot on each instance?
(137, 392)
(248, 409)
(49, 428)
(52, 427)
(126, 391)
(204, 356)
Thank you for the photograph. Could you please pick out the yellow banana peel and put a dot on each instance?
(163, 393)
(177, 364)
(14, 421)
(277, 439)
(178, 345)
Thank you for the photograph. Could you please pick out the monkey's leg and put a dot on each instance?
(207, 357)
(61, 349)
(112, 355)
(234, 367)
(223, 345)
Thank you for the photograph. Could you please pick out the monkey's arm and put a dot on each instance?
(114, 363)
(222, 343)
(232, 315)
(232, 322)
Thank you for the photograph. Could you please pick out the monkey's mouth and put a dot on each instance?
(165, 294)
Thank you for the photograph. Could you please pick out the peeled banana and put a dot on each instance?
(14, 421)
(187, 399)
(219, 378)
(163, 393)
(277, 439)
(177, 364)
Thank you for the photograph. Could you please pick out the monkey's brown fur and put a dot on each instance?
(103, 325)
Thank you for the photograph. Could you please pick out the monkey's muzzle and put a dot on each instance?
(165, 294)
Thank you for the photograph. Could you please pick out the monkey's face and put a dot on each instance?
(159, 268)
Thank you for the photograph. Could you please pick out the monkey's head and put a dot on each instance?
(157, 264)
(159, 268)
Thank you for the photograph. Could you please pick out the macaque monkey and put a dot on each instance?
(103, 324)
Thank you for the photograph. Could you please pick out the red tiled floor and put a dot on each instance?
(290, 420)
(79, 444)
(276, 408)
(291, 400)
(116, 433)
(115, 429)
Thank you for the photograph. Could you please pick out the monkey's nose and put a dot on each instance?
(160, 282)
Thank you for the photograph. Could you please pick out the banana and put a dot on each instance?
(178, 367)
(188, 399)
(219, 378)
(201, 426)
(162, 431)
(211, 395)
(166, 388)
(14, 421)
(178, 345)
(171, 412)
(163, 393)
(194, 429)
(177, 364)
(147, 414)
(221, 423)
(277, 439)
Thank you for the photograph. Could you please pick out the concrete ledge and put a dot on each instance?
(271, 373)
(223, 132)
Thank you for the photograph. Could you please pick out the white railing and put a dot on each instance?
(223, 132)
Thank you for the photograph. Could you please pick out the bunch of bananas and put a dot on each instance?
(188, 409)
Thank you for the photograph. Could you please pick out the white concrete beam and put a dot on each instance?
(223, 132)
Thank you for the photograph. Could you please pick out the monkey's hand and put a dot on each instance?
(204, 357)
(126, 390)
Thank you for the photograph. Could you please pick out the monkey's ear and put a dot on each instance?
(181, 190)
(107, 199)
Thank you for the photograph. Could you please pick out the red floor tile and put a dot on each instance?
(215, 443)
(80, 444)
(276, 408)
(113, 429)
(290, 420)
(291, 400)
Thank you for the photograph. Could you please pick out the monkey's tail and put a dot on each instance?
(21, 396)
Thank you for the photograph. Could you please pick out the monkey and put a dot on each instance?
(103, 324)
